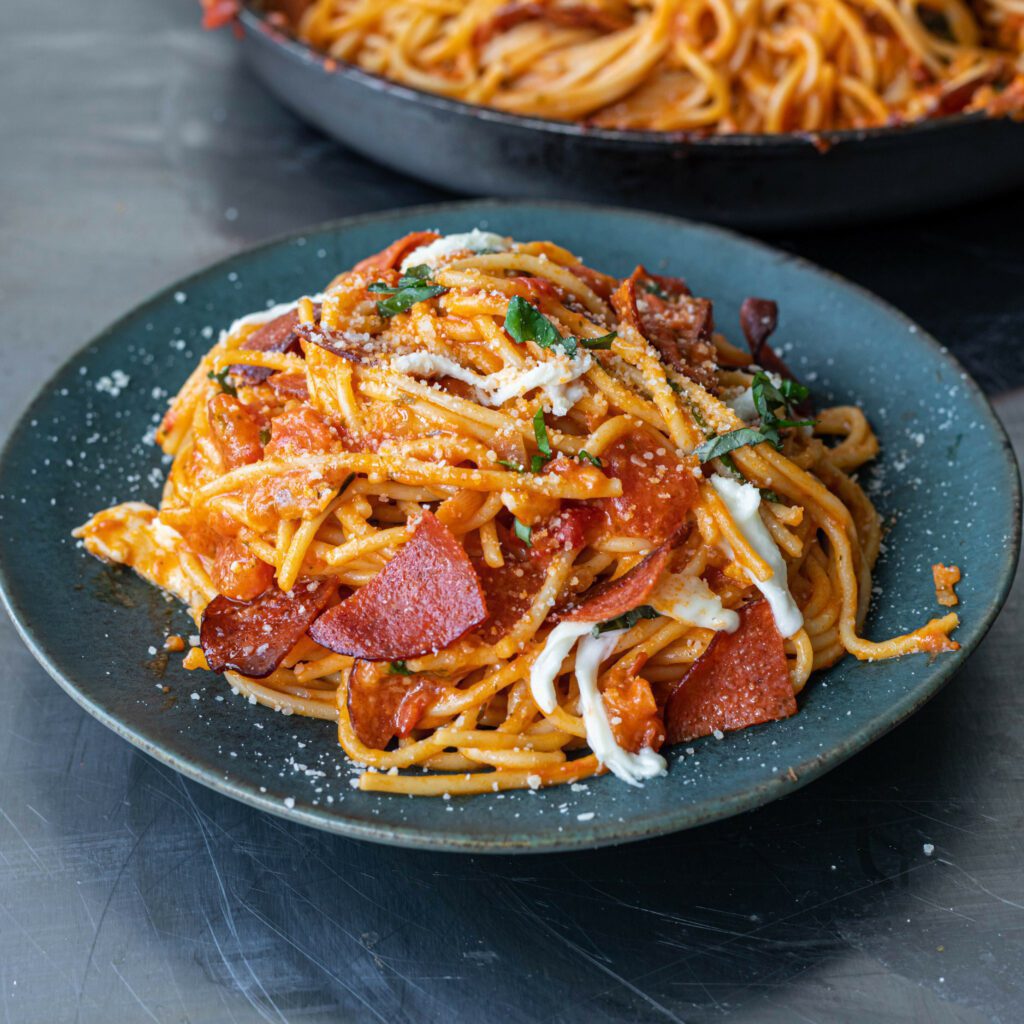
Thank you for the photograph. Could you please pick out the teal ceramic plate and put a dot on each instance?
(946, 482)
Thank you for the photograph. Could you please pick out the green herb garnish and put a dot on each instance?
(626, 621)
(605, 341)
(722, 444)
(540, 431)
(584, 456)
(413, 286)
(523, 532)
(537, 463)
(264, 436)
(515, 467)
(767, 398)
(525, 322)
(655, 289)
(226, 386)
(399, 668)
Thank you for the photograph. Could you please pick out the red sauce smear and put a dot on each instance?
(254, 637)
(383, 705)
(741, 679)
(424, 599)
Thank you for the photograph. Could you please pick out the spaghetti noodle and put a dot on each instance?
(720, 66)
(508, 521)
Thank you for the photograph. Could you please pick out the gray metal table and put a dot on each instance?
(134, 150)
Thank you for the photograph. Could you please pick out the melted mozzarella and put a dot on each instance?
(631, 768)
(475, 241)
(558, 378)
(743, 501)
(546, 668)
(689, 599)
(592, 651)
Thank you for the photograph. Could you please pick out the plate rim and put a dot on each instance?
(780, 144)
(596, 834)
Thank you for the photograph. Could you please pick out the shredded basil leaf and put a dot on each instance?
(514, 466)
(222, 379)
(722, 444)
(768, 495)
(525, 322)
(523, 532)
(605, 341)
(626, 621)
(584, 456)
(264, 436)
(408, 297)
(540, 431)
(537, 463)
(767, 398)
(399, 668)
(655, 289)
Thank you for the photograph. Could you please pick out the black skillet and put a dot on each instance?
(762, 182)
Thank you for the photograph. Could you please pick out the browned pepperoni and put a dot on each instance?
(424, 599)
(254, 637)
(677, 323)
(741, 679)
(278, 335)
(612, 598)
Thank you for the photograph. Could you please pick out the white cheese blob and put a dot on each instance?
(475, 241)
(631, 768)
(689, 599)
(592, 651)
(549, 662)
(743, 501)
(558, 378)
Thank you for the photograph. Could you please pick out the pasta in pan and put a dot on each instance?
(508, 521)
(718, 66)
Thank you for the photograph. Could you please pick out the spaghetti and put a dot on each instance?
(508, 521)
(706, 66)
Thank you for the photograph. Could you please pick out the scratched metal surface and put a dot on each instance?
(134, 150)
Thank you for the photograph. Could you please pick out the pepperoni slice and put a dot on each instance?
(278, 335)
(254, 637)
(424, 599)
(509, 591)
(290, 385)
(658, 488)
(677, 323)
(741, 679)
(382, 705)
(612, 598)
(392, 256)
